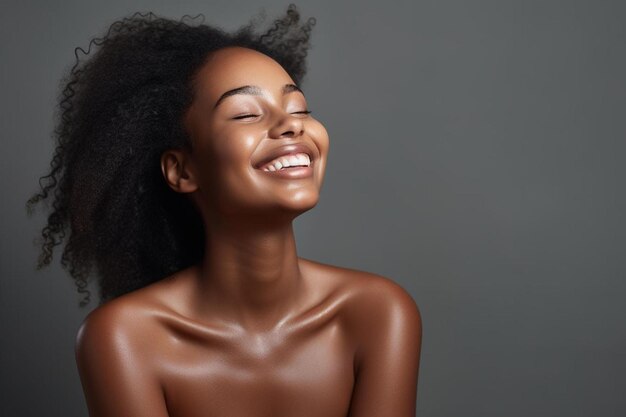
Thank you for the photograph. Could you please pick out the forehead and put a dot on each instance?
(233, 67)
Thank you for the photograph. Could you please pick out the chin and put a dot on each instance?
(299, 201)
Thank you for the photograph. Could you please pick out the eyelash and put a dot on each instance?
(254, 115)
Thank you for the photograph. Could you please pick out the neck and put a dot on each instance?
(249, 274)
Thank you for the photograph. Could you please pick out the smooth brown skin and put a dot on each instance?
(253, 330)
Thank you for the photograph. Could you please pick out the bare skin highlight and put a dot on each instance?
(244, 326)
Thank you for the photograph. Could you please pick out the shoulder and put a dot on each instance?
(117, 361)
(117, 327)
(378, 303)
(383, 323)
(133, 315)
(370, 299)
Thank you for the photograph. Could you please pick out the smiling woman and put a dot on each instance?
(184, 155)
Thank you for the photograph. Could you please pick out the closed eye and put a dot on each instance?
(245, 116)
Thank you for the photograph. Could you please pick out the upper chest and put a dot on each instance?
(304, 370)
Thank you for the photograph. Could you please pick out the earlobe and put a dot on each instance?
(177, 172)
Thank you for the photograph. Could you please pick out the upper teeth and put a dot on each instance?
(287, 161)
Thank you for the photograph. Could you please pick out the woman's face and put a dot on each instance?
(236, 131)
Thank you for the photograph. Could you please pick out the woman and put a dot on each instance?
(184, 156)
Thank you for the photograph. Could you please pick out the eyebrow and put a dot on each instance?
(255, 90)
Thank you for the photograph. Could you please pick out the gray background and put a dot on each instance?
(476, 158)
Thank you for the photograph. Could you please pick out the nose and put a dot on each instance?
(287, 126)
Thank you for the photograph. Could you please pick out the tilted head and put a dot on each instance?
(249, 123)
(124, 108)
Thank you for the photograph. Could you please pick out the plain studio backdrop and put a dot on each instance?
(477, 159)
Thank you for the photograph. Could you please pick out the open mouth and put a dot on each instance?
(288, 162)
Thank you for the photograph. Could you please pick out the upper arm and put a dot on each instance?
(113, 370)
(388, 353)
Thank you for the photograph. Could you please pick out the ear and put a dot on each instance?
(176, 168)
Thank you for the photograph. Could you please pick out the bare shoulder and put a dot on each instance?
(383, 323)
(368, 296)
(124, 324)
(134, 314)
(115, 354)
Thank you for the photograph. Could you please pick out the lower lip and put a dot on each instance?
(291, 173)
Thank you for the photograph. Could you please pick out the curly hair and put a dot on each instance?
(118, 110)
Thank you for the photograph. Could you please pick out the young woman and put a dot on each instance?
(184, 155)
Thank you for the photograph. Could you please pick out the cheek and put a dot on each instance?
(232, 148)
(318, 133)
(320, 138)
(239, 149)
(221, 158)
(230, 169)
